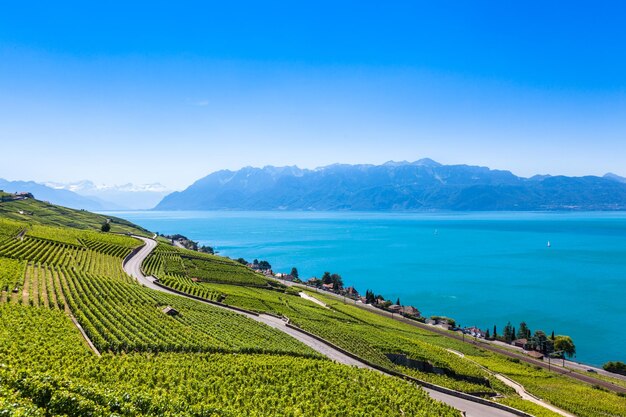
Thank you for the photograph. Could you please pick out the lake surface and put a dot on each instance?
(479, 268)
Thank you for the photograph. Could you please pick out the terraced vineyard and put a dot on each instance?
(203, 361)
(49, 371)
(180, 263)
(371, 337)
(209, 361)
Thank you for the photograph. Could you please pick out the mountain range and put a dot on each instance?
(89, 196)
(116, 197)
(420, 185)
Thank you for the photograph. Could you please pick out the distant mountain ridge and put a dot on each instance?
(55, 196)
(126, 196)
(420, 185)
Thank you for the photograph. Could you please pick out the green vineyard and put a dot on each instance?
(171, 261)
(55, 374)
(152, 353)
(202, 361)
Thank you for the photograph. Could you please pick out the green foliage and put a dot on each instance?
(167, 262)
(119, 316)
(565, 344)
(51, 215)
(11, 274)
(616, 367)
(47, 368)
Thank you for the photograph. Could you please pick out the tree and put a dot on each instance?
(207, 249)
(398, 301)
(523, 332)
(264, 265)
(337, 281)
(565, 344)
(495, 332)
(370, 298)
(326, 279)
(552, 336)
(487, 336)
(255, 262)
(509, 334)
(541, 342)
(294, 272)
(106, 226)
(242, 261)
(616, 367)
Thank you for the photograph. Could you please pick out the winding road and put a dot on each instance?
(132, 266)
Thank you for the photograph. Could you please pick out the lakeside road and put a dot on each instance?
(553, 366)
(132, 266)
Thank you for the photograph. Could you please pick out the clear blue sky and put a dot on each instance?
(170, 91)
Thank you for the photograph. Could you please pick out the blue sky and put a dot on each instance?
(168, 92)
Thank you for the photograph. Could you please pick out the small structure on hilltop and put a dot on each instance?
(328, 287)
(535, 354)
(170, 311)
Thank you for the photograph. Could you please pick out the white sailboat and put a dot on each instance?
(549, 244)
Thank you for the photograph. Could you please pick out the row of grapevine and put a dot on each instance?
(75, 236)
(167, 260)
(11, 274)
(55, 253)
(46, 363)
(123, 317)
(111, 249)
(184, 284)
(10, 228)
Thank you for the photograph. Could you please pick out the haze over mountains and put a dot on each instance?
(420, 185)
(126, 196)
(89, 196)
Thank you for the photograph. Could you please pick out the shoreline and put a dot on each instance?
(554, 363)
(443, 290)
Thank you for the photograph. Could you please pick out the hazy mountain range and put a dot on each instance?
(420, 185)
(126, 196)
(89, 196)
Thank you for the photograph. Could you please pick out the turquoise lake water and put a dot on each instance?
(479, 268)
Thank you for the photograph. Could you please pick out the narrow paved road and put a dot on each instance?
(471, 409)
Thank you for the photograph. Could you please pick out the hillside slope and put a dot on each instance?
(34, 211)
(151, 354)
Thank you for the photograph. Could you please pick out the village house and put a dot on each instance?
(474, 332)
(351, 292)
(444, 325)
(411, 311)
(521, 343)
(439, 322)
(395, 308)
(328, 287)
(286, 277)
